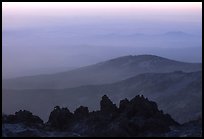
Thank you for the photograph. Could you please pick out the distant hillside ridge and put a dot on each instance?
(109, 71)
(178, 93)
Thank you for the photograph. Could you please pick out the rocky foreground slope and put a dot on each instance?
(135, 117)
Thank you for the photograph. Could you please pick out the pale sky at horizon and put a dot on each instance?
(47, 35)
(21, 6)
(28, 14)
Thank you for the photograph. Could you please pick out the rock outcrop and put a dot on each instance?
(135, 117)
(107, 106)
(81, 112)
(24, 117)
(60, 118)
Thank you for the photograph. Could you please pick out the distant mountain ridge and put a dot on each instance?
(177, 33)
(104, 72)
(178, 93)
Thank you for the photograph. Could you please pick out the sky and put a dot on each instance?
(47, 37)
(21, 15)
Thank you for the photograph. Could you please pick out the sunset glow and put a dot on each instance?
(78, 29)
(22, 14)
(81, 7)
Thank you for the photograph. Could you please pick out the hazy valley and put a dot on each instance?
(131, 69)
(175, 86)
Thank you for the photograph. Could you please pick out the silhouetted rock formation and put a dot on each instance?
(137, 117)
(24, 116)
(81, 112)
(107, 105)
(60, 118)
(123, 104)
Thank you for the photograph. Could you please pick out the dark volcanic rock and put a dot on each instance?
(28, 117)
(145, 116)
(27, 133)
(137, 117)
(139, 106)
(25, 117)
(60, 118)
(123, 104)
(81, 112)
(107, 106)
(188, 129)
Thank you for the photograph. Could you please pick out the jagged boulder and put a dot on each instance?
(25, 117)
(10, 119)
(135, 117)
(124, 104)
(143, 116)
(107, 106)
(60, 118)
(81, 112)
(140, 106)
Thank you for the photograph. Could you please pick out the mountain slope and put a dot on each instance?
(177, 93)
(105, 72)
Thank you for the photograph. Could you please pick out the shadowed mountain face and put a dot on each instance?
(105, 72)
(177, 93)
